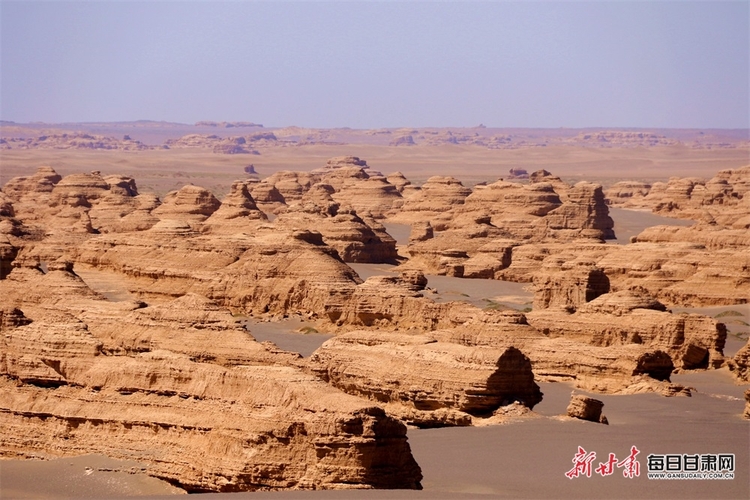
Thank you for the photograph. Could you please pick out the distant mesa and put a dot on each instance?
(250, 170)
(518, 173)
(404, 140)
(227, 124)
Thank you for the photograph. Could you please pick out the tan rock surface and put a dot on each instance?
(426, 375)
(208, 428)
(436, 197)
(586, 408)
(353, 238)
(721, 199)
(740, 365)
(622, 318)
(190, 204)
(182, 388)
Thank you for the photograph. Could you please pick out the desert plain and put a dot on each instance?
(395, 313)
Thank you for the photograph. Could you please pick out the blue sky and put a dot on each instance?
(379, 64)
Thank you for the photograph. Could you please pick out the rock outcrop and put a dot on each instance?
(189, 204)
(740, 365)
(182, 389)
(438, 196)
(722, 199)
(426, 375)
(586, 408)
(692, 340)
(353, 238)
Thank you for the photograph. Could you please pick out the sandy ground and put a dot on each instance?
(88, 476)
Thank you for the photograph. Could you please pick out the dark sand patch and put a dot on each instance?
(287, 336)
(88, 476)
(632, 222)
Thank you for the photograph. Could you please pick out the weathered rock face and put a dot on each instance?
(291, 185)
(693, 341)
(475, 249)
(189, 204)
(569, 289)
(584, 213)
(627, 369)
(181, 388)
(343, 230)
(680, 273)
(403, 185)
(81, 203)
(12, 318)
(237, 211)
(437, 196)
(226, 145)
(416, 371)
(199, 426)
(74, 140)
(7, 255)
(740, 365)
(340, 162)
(586, 408)
(504, 200)
(374, 197)
(475, 239)
(625, 191)
(712, 236)
(746, 414)
(721, 199)
(258, 275)
(43, 181)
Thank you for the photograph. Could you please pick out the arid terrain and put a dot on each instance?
(224, 307)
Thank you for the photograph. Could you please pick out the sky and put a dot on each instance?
(653, 64)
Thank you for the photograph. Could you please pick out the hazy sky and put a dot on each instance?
(379, 64)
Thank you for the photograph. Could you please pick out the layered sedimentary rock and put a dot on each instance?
(721, 198)
(417, 371)
(189, 204)
(576, 307)
(209, 428)
(568, 289)
(183, 389)
(711, 236)
(625, 369)
(477, 238)
(75, 140)
(586, 408)
(343, 230)
(238, 211)
(226, 145)
(680, 273)
(740, 365)
(437, 196)
(584, 213)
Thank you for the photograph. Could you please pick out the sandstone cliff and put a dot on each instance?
(425, 375)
